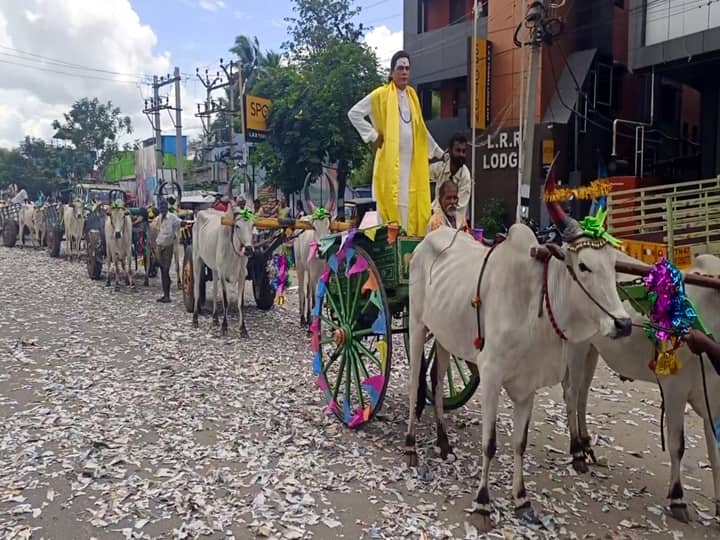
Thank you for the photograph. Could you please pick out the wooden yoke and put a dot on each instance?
(542, 253)
(295, 224)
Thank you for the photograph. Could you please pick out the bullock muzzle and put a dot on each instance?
(248, 251)
(623, 328)
(118, 235)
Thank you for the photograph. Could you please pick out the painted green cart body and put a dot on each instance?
(361, 301)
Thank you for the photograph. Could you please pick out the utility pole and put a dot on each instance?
(152, 112)
(534, 17)
(205, 113)
(473, 112)
(179, 176)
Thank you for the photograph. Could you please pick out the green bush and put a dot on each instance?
(492, 217)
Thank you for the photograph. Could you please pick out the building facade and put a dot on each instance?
(585, 83)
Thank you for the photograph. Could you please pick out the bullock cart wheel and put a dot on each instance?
(95, 254)
(9, 233)
(461, 379)
(263, 290)
(54, 236)
(352, 337)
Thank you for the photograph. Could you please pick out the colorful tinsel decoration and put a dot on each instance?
(596, 189)
(282, 279)
(671, 315)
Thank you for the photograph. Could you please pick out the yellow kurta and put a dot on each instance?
(386, 177)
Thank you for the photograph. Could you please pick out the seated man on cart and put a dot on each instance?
(448, 214)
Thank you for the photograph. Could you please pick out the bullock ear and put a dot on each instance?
(228, 222)
(556, 251)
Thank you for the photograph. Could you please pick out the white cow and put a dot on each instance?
(629, 357)
(40, 224)
(222, 242)
(310, 265)
(27, 222)
(523, 349)
(118, 243)
(74, 220)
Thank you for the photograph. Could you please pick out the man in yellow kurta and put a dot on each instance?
(401, 176)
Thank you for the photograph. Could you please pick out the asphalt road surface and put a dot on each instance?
(118, 420)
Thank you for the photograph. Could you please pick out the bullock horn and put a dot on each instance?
(332, 198)
(569, 228)
(306, 194)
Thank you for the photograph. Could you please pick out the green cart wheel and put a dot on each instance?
(461, 380)
(351, 337)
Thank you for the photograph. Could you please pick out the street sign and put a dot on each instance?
(257, 110)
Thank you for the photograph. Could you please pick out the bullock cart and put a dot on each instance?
(362, 300)
(9, 223)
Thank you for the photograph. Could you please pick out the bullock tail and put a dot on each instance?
(421, 389)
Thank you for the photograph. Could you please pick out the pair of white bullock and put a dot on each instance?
(528, 324)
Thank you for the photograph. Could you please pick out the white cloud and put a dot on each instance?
(211, 5)
(64, 41)
(385, 42)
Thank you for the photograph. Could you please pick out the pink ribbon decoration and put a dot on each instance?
(357, 419)
(312, 252)
(325, 274)
(322, 383)
(315, 326)
(360, 265)
(332, 407)
(315, 342)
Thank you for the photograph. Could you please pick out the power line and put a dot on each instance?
(66, 73)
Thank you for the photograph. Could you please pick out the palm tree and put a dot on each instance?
(247, 51)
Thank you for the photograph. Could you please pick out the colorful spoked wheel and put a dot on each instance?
(461, 379)
(351, 337)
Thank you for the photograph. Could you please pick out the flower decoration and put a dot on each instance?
(319, 213)
(671, 315)
(246, 214)
(594, 227)
(596, 189)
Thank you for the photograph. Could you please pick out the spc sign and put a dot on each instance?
(257, 111)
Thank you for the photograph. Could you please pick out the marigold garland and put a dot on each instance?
(596, 189)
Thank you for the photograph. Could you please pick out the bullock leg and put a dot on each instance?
(591, 362)
(571, 394)
(216, 321)
(416, 388)
(490, 384)
(117, 273)
(224, 327)
(522, 410)
(675, 411)
(301, 294)
(197, 275)
(241, 307)
(698, 405)
(130, 275)
(109, 265)
(176, 256)
(437, 377)
(309, 305)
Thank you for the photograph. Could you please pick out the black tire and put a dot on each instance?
(54, 236)
(263, 289)
(95, 254)
(9, 233)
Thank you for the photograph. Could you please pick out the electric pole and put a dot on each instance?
(178, 133)
(152, 111)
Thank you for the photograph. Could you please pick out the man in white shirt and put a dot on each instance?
(403, 145)
(168, 226)
(456, 170)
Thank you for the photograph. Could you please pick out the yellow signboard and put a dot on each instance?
(482, 83)
(257, 110)
(548, 151)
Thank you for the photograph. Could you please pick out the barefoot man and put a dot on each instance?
(401, 177)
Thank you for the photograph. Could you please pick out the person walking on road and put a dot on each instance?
(401, 180)
(168, 227)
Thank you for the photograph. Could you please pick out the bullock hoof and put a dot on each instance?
(680, 512)
(483, 521)
(303, 322)
(195, 323)
(580, 465)
(446, 453)
(244, 333)
(224, 330)
(179, 285)
(146, 283)
(411, 458)
(216, 321)
(526, 513)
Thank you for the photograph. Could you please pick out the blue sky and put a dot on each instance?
(197, 32)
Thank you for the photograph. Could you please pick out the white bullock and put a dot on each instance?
(308, 264)
(629, 358)
(523, 348)
(27, 222)
(40, 224)
(222, 242)
(74, 220)
(118, 243)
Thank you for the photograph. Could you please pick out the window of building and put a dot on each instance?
(457, 11)
(422, 16)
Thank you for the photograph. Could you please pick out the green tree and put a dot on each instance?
(362, 173)
(92, 128)
(317, 23)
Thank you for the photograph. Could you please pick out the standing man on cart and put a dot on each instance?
(401, 177)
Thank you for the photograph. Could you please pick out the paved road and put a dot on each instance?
(121, 421)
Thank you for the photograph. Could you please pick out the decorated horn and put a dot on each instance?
(332, 199)
(306, 194)
(568, 227)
